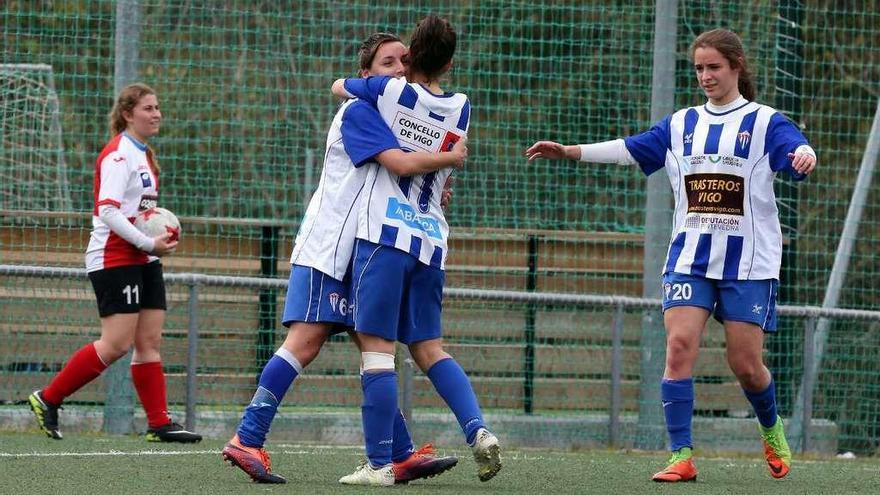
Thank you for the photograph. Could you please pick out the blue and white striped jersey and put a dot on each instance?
(325, 240)
(405, 212)
(721, 165)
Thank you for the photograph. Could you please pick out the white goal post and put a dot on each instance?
(33, 172)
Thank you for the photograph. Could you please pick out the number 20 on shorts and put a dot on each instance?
(678, 292)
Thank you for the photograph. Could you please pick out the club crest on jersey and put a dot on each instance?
(743, 138)
(145, 179)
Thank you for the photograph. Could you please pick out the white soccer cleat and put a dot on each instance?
(487, 453)
(367, 475)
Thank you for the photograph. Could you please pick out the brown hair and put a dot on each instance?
(369, 47)
(126, 101)
(431, 47)
(730, 46)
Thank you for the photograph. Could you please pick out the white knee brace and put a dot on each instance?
(376, 361)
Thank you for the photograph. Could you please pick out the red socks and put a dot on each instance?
(85, 365)
(149, 381)
(82, 367)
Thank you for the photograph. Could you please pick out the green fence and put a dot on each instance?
(244, 92)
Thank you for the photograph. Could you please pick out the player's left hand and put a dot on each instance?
(460, 152)
(446, 194)
(803, 163)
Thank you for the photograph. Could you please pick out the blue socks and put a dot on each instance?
(275, 379)
(453, 385)
(377, 414)
(678, 407)
(403, 446)
(764, 404)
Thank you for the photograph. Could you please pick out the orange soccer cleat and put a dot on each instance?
(252, 460)
(423, 463)
(681, 468)
(776, 449)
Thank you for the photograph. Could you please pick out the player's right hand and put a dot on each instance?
(551, 151)
(163, 246)
(459, 152)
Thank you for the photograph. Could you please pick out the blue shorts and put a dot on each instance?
(315, 297)
(395, 296)
(751, 301)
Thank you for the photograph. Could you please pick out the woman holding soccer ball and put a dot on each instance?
(726, 248)
(123, 266)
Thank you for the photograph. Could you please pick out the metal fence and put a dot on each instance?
(194, 281)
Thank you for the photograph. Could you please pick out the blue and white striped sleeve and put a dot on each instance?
(367, 89)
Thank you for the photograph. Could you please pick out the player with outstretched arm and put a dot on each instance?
(726, 247)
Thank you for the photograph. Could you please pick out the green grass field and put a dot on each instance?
(31, 463)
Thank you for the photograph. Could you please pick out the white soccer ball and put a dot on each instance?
(157, 221)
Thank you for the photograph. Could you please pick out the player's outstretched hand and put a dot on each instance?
(460, 152)
(552, 151)
(803, 163)
(163, 246)
(446, 193)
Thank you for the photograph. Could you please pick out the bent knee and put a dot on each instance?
(427, 354)
(110, 351)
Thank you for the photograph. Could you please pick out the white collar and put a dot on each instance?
(726, 108)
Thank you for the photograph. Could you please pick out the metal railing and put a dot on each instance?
(533, 299)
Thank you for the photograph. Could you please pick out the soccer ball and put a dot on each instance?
(157, 221)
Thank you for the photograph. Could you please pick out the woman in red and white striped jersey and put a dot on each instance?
(124, 268)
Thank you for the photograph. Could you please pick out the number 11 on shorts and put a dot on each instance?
(131, 290)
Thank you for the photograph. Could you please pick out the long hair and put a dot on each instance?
(730, 46)
(369, 47)
(126, 101)
(431, 47)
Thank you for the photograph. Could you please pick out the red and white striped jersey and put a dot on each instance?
(126, 178)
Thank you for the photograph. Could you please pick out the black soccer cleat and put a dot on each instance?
(46, 414)
(172, 432)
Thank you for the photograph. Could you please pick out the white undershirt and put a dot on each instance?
(117, 222)
(613, 151)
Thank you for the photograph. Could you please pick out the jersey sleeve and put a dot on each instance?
(367, 89)
(649, 148)
(783, 137)
(364, 133)
(114, 172)
(464, 119)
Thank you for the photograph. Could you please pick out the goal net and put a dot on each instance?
(33, 174)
